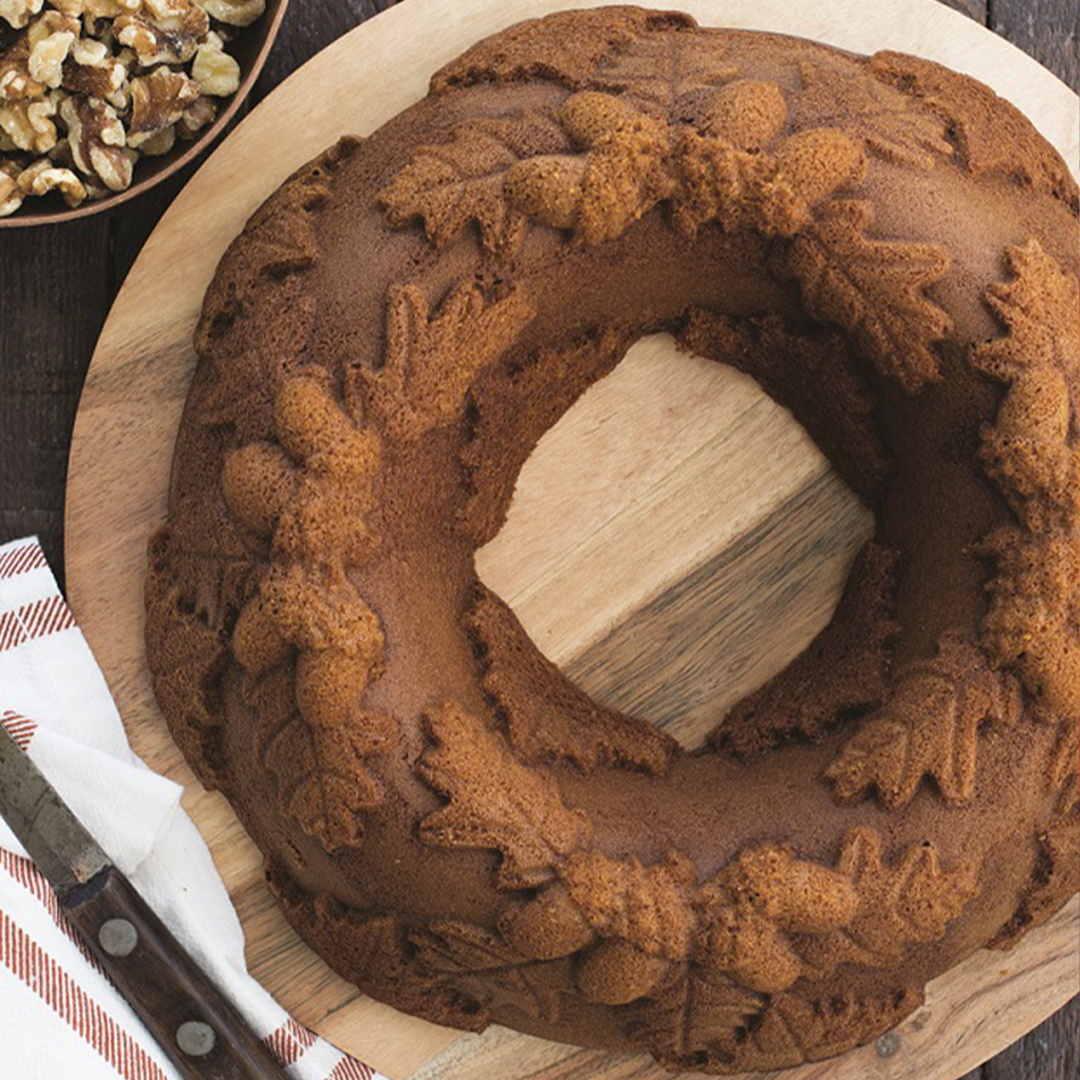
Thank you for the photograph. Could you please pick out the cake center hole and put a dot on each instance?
(675, 540)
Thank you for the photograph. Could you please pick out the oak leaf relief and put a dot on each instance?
(452, 184)
(874, 289)
(548, 719)
(911, 902)
(1030, 452)
(694, 1012)
(667, 72)
(458, 950)
(495, 801)
(891, 125)
(791, 1029)
(928, 728)
(433, 355)
(992, 136)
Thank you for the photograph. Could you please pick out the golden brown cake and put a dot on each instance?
(891, 251)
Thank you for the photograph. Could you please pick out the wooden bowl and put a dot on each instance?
(250, 50)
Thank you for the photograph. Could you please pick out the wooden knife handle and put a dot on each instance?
(197, 1027)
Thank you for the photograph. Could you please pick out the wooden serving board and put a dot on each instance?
(669, 549)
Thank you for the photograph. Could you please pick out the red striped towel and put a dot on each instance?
(59, 1014)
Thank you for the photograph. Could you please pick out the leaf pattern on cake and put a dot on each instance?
(565, 47)
(307, 497)
(693, 1013)
(495, 801)
(874, 289)
(856, 647)
(992, 136)
(322, 775)
(548, 719)
(888, 122)
(910, 902)
(1028, 449)
(455, 948)
(187, 658)
(1030, 452)
(647, 936)
(667, 71)
(620, 155)
(929, 727)
(700, 1020)
(455, 183)
(374, 950)
(433, 354)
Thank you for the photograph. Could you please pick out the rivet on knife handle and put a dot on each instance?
(195, 1024)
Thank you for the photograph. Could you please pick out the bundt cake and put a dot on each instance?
(457, 828)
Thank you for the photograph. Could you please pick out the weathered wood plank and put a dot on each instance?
(55, 292)
(974, 9)
(1050, 1052)
(1049, 30)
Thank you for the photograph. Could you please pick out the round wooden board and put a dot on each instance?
(738, 533)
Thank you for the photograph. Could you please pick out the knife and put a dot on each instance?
(195, 1025)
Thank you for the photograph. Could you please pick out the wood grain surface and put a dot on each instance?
(57, 285)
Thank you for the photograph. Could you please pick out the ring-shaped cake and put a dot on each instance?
(891, 251)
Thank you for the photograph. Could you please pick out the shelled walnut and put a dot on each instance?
(158, 100)
(10, 196)
(43, 176)
(19, 12)
(87, 87)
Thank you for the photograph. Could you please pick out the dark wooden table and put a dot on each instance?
(58, 282)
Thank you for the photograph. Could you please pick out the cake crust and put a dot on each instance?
(891, 251)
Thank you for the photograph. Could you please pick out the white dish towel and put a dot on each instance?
(59, 1015)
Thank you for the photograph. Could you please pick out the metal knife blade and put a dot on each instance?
(194, 1023)
(53, 836)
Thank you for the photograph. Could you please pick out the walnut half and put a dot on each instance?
(10, 196)
(91, 70)
(98, 143)
(43, 176)
(28, 125)
(233, 12)
(158, 100)
(18, 13)
(168, 36)
(214, 69)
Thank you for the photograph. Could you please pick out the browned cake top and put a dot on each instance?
(890, 250)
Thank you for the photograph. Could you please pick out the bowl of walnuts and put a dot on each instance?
(102, 99)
